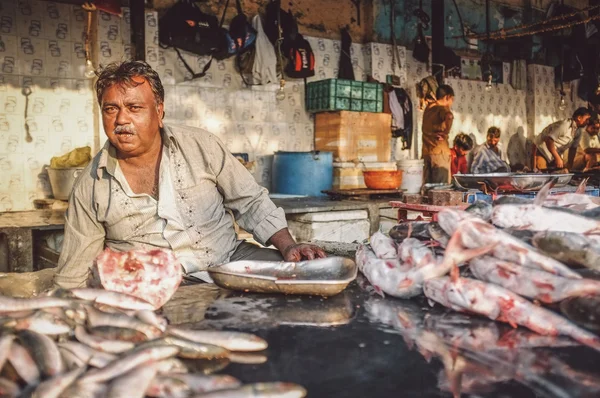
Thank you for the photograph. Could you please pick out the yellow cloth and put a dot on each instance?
(78, 157)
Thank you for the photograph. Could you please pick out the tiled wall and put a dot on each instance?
(41, 47)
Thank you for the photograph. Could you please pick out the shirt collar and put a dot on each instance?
(108, 153)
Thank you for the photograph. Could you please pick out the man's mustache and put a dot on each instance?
(125, 128)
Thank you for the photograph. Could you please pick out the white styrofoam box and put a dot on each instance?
(335, 231)
(327, 216)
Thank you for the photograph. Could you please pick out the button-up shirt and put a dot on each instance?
(565, 135)
(200, 186)
(488, 160)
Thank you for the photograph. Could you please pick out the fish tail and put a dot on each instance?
(456, 253)
(582, 287)
(586, 338)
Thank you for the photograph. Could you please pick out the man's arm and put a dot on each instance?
(443, 128)
(83, 241)
(591, 151)
(571, 157)
(552, 148)
(293, 251)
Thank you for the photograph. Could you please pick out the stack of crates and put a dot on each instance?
(344, 95)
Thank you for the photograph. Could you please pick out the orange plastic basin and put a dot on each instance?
(383, 179)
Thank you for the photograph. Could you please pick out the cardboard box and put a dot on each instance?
(354, 136)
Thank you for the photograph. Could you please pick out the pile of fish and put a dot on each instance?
(517, 250)
(99, 343)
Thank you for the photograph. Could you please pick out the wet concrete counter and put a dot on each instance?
(357, 344)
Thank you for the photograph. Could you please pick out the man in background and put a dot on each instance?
(437, 123)
(488, 157)
(586, 157)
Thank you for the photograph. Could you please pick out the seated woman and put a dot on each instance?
(488, 157)
(458, 154)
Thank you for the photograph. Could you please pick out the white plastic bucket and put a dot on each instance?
(412, 176)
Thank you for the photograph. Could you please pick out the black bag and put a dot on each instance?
(345, 70)
(275, 19)
(421, 49)
(301, 59)
(241, 32)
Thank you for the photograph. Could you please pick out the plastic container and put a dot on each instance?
(302, 173)
(61, 181)
(383, 179)
(412, 177)
(344, 95)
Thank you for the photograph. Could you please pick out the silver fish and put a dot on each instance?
(53, 387)
(415, 253)
(383, 246)
(498, 303)
(151, 318)
(530, 282)
(275, 389)
(134, 383)
(102, 344)
(5, 343)
(40, 322)
(9, 388)
(23, 363)
(171, 366)
(233, 341)
(167, 387)
(44, 352)
(480, 209)
(71, 360)
(115, 299)
(129, 361)
(438, 234)
(477, 233)
(13, 304)
(118, 333)
(99, 318)
(87, 354)
(410, 229)
(188, 348)
(86, 390)
(569, 248)
(198, 383)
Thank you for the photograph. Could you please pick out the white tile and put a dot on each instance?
(78, 23)
(30, 19)
(57, 21)
(32, 56)
(9, 55)
(8, 18)
(59, 59)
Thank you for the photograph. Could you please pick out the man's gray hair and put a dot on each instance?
(123, 73)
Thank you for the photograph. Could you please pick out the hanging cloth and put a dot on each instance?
(345, 70)
(264, 69)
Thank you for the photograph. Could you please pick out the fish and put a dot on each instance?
(383, 246)
(498, 303)
(407, 229)
(569, 248)
(14, 304)
(480, 209)
(415, 253)
(584, 311)
(232, 341)
(576, 201)
(530, 282)
(71, 360)
(537, 218)
(406, 280)
(99, 318)
(134, 383)
(438, 234)
(23, 364)
(53, 387)
(151, 318)
(5, 343)
(86, 390)
(100, 343)
(188, 348)
(168, 387)
(114, 299)
(44, 352)
(199, 383)
(171, 366)
(9, 388)
(477, 233)
(87, 354)
(521, 234)
(512, 200)
(249, 358)
(274, 389)
(118, 333)
(128, 362)
(40, 322)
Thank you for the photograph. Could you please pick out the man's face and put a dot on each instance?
(449, 101)
(492, 141)
(131, 118)
(581, 121)
(593, 128)
(459, 151)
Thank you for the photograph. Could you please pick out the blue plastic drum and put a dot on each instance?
(302, 173)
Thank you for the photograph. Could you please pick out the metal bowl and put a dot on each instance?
(321, 277)
(510, 182)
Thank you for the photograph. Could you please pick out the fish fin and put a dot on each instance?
(430, 302)
(456, 254)
(454, 273)
(582, 186)
(543, 193)
(410, 230)
(378, 291)
(405, 283)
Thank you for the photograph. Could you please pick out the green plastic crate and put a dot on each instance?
(344, 95)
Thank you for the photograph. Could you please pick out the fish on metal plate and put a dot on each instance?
(407, 280)
(198, 383)
(498, 303)
(40, 322)
(480, 209)
(531, 282)
(115, 299)
(14, 304)
(408, 229)
(118, 333)
(95, 358)
(438, 234)
(129, 361)
(477, 233)
(257, 390)
(23, 363)
(134, 383)
(569, 248)
(233, 341)
(383, 246)
(53, 387)
(188, 348)
(100, 343)
(99, 318)
(44, 352)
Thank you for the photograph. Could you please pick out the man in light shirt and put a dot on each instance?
(155, 185)
(488, 157)
(556, 139)
(589, 146)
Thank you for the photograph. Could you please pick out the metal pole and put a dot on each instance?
(138, 30)
(437, 38)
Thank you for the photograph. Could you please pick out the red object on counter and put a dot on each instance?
(426, 210)
(152, 275)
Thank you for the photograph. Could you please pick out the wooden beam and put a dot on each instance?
(138, 30)
(437, 38)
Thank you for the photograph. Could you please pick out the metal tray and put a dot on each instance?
(322, 277)
(510, 182)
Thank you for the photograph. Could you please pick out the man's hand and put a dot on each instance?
(300, 251)
(559, 162)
